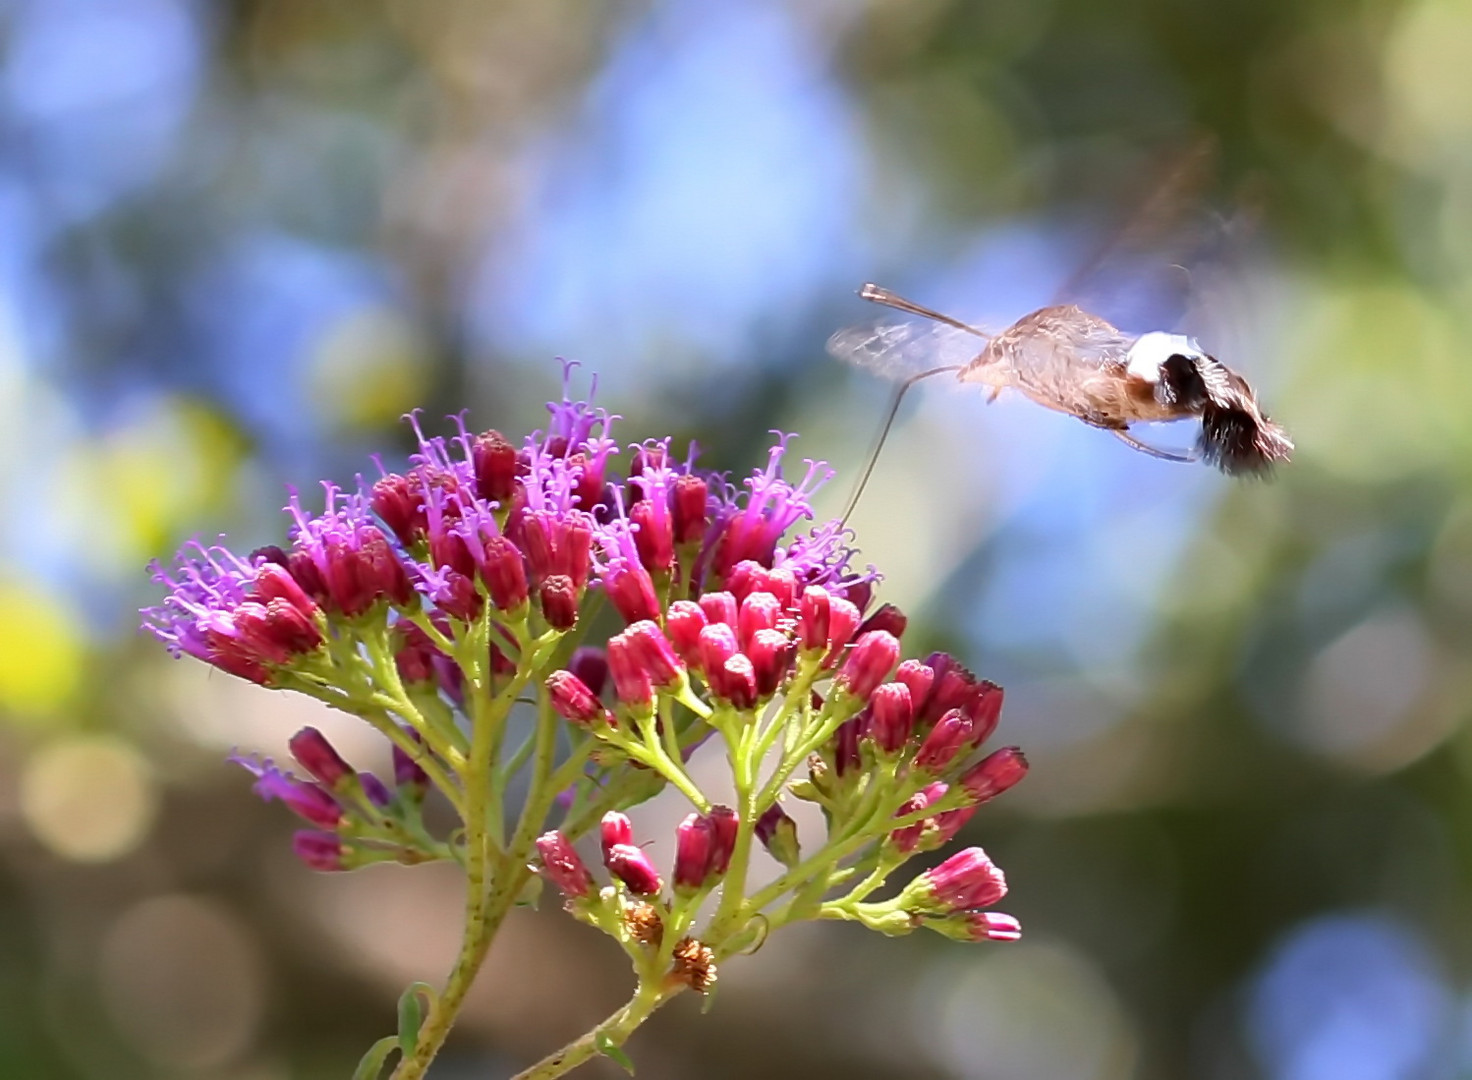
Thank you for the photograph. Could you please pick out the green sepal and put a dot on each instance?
(615, 1053)
(371, 1066)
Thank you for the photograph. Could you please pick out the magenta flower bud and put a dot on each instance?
(955, 687)
(770, 653)
(319, 850)
(994, 774)
(870, 660)
(459, 598)
(652, 651)
(745, 578)
(885, 617)
(724, 823)
(399, 504)
(946, 740)
(920, 679)
(631, 682)
(536, 542)
(451, 550)
(562, 865)
(493, 459)
(683, 623)
(781, 583)
(572, 699)
(575, 550)
(843, 620)
(408, 775)
(277, 632)
(694, 838)
(632, 866)
(976, 926)
(946, 825)
(274, 582)
(985, 710)
(374, 788)
(358, 577)
(759, 611)
(859, 594)
(559, 599)
(689, 509)
(310, 747)
(906, 839)
(647, 457)
(616, 828)
(813, 617)
(719, 607)
(590, 664)
(631, 591)
(304, 572)
(892, 718)
(735, 682)
(717, 645)
(588, 491)
(846, 746)
(504, 574)
(415, 657)
(307, 801)
(778, 834)
(653, 536)
(967, 880)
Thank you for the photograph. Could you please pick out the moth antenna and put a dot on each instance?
(894, 408)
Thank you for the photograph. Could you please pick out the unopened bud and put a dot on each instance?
(310, 747)
(559, 599)
(778, 834)
(868, 663)
(562, 865)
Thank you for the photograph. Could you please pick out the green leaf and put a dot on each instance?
(411, 1014)
(372, 1064)
(531, 893)
(611, 1050)
(708, 1001)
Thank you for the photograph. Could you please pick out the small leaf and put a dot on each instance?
(372, 1064)
(411, 1014)
(611, 1050)
(531, 893)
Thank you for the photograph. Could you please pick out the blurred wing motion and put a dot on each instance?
(905, 349)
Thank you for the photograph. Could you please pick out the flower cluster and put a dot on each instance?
(630, 619)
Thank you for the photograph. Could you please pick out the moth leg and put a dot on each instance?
(1154, 451)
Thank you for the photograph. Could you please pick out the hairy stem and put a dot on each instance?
(612, 1032)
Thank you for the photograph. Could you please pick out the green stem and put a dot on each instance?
(473, 948)
(613, 1032)
(649, 750)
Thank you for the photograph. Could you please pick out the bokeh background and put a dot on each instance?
(238, 239)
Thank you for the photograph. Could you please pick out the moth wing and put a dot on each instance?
(899, 350)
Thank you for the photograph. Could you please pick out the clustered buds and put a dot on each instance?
(451, 591)
(703, 846)
(339, 801)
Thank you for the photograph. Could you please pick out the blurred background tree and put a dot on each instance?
(239, 239)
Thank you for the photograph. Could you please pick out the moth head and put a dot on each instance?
(1172, 364)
